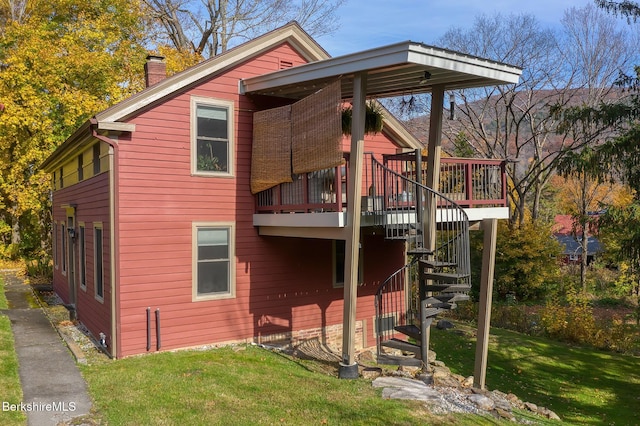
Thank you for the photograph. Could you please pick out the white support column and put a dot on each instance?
(348, 367)
(490, 228)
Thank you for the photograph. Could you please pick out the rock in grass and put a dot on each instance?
(482, 402)
(444, 325)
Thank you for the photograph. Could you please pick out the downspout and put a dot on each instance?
(113, 223)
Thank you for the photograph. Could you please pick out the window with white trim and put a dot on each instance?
(213, 270)
(212, 137)
(98, 261)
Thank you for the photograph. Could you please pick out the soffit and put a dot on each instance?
(392, 70)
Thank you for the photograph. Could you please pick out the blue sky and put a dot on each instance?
(367, 24)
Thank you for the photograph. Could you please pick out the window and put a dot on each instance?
(214, 273)
(339, 254)
(63, 248)
(212, 148)
(61, 176)
(83, 257)
(98, 261)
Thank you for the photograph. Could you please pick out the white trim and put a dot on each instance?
(332, 220)
(117, 126)
(216, 103)
(454, 70)
(302, 220)
(96, 226)
(480, 213)
(231, 294)
(291, 33)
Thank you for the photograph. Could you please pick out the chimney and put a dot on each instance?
(155, 70)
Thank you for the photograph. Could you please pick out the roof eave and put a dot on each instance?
(391, 70)
(291, 33)
(64, 150)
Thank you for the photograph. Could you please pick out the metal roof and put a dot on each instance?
(397, 69)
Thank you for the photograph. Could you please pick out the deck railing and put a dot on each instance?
(319, 191)
(470, 182)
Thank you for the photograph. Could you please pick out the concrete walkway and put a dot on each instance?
(53, 390)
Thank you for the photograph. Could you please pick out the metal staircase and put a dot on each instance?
(437, 273)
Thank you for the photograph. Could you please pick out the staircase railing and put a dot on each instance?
(436, 230)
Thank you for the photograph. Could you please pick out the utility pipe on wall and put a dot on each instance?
(148, 329)
(158, 344)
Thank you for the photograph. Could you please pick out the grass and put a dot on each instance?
(581, 385)
(10, 389)
(245, 386)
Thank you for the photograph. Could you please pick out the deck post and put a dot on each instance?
(348, 367)
(434, 150)
(429, 225)
(490, 228)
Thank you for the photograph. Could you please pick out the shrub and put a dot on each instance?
(574, 323)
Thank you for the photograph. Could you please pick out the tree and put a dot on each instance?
(616, 158)
(525, 262)
(61, 61)
(583, 194)
(510, 121)
(517, 122)
(210, 27)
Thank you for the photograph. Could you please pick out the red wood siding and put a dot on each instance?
(91, 198)
(281, 284)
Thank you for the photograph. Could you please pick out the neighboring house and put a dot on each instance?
(159, 242)
(569, 237)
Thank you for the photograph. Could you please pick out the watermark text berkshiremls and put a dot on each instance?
(39, 406)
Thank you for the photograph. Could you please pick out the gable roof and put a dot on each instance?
(573, 246)
(291, 33)
(111, 119)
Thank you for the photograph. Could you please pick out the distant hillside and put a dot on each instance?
(489, 121)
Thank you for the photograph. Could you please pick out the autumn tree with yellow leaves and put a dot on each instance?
(61, 61)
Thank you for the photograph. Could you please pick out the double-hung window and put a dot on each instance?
(98, 260)
(212, 137)
(213, 270)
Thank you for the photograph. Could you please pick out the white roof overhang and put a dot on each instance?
(391, 71)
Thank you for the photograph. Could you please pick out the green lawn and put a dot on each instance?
(223, 386)
(10, 390)
(581, 385)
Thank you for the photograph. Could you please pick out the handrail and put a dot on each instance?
(410, 314)
(403, 206)
(468, 182)
(471, 182)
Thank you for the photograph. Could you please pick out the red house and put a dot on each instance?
(178, 221)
